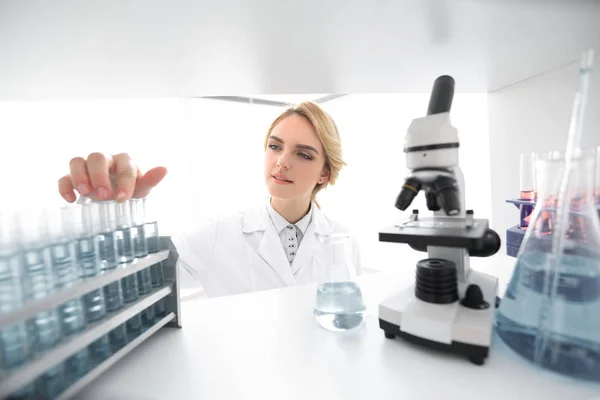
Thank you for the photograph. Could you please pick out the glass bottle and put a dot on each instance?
(549, 313)
(339, 304)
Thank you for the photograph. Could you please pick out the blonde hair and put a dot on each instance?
(328, 135)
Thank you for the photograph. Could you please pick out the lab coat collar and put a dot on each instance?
(258, 219)
(270, 249)
(281, 223)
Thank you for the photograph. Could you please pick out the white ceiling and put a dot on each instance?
(135, 48)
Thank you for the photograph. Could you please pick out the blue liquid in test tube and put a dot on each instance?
(44, 328)
(90, 258)
(61, 226)
(14, 346)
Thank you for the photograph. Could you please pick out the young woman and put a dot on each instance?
(275, 244)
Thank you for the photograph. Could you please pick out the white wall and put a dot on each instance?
(214, 153)
(70, 49)
(534, 116)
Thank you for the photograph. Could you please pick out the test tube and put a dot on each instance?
(33, 241)
(107, 245)
(153, 240)
(125, 249)
(124, 239)
(88, 258)
(527, 187)
(113, 292)
(125, 254)
(139, 244)
(93, 266)
(64, 265)
(14, 346)
(527, 177)
(151, 227)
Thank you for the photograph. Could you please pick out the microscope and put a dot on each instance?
(450, 307)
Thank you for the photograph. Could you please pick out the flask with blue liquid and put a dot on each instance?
(550, 313)
(339, 304)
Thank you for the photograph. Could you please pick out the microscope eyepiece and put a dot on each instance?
(409, 190)
(441, 95)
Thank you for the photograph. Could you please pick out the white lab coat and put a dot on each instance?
(243, 253)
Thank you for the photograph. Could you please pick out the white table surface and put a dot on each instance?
(267, 345)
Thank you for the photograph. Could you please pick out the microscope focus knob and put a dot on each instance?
(474, 298)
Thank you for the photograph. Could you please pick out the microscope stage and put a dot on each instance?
(447, 232)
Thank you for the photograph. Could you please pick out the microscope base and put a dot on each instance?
(476, 354)
(451, 327)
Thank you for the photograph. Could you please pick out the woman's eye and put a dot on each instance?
(273, 146)
(305, 156)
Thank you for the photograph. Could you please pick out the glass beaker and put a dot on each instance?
(550, 311)
(339, 304)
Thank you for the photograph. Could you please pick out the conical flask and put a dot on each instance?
(550, 313)
(339, 304)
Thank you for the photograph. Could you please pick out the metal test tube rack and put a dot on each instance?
(26, 374)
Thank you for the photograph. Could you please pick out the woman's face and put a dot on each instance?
(294, 159)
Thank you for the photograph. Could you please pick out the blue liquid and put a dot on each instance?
(72, 317)
(94, 306)
(14, 339)
(44, 327)
(134, 327)
(572, 345)
(113, 296)
(99, 351)
(339, 306)
(90, 265)
(51, 384)
(13, 346)
(124, 245)
(140, 247)
(107, 250)
(76, 366)
(64, 265)
(87, 257)
(130, 288)
(118, 338)
(144, 278)
(45, 332)
(39, 281)
(158, 277)
(66, 274)
(151, 232)
(148, 317)
(160, 308)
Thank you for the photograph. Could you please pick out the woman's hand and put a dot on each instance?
(102, 177)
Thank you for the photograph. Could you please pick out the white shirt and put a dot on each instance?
(290, 234)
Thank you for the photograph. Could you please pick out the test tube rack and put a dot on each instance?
(17, 378)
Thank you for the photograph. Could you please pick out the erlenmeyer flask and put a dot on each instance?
(550, 313)
(339, 304)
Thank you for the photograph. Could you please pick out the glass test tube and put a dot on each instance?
(14, 346)
(125, 255)
(44, 328)
(108, 238)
